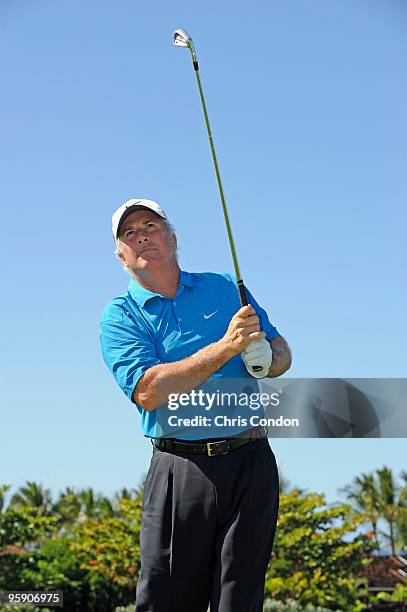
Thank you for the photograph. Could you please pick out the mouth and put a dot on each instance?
(147, 249)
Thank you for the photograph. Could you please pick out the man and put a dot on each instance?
(210, 505)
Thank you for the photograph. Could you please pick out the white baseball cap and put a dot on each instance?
(130, 206)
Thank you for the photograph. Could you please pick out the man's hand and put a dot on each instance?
(243, 329)
(156, 384)
(258, 354)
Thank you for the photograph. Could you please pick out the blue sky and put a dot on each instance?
(307, 104)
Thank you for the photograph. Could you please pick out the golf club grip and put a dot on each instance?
(242, 292)
(244, 302)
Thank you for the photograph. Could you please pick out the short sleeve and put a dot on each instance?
(127, 348)
(265, 325)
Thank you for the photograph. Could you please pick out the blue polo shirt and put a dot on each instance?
(141, 329)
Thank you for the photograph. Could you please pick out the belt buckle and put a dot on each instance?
(219, 444)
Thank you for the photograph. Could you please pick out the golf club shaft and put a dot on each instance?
(182, 38)
(240, 284)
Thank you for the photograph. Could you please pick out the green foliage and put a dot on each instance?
(55, 567)
(3, 491)
(379, 496)
(401, 525)
(96, 565)
(365, 497)
(22, 532)
(398, 595)
(87, 545)
(316, 554)
(278, 606)
(34, 496)
(24, 608)
(20, 527)
(109, 551)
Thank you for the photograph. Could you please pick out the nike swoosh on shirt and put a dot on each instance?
(210, 315)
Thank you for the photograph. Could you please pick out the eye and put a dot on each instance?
(129, 233)
(151, 225)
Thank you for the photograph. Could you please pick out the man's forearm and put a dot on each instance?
(157, 383)
(281, 360)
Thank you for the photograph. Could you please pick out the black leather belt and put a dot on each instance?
(209, 447)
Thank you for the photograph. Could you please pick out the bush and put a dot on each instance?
(277, 606)
(317, 554)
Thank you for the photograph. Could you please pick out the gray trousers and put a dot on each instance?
(207, 530)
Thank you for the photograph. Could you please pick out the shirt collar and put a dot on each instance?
(142, 295)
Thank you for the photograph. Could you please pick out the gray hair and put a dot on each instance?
(170, 230)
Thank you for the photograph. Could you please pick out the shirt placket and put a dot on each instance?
(176, 307)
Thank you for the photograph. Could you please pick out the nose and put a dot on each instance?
(142, 238)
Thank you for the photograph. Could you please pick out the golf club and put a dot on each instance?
(183, 39)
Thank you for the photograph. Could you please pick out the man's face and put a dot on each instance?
(145, 242)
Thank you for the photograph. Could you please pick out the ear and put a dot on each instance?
(174, 241)
(122, 259)
(121, 256)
